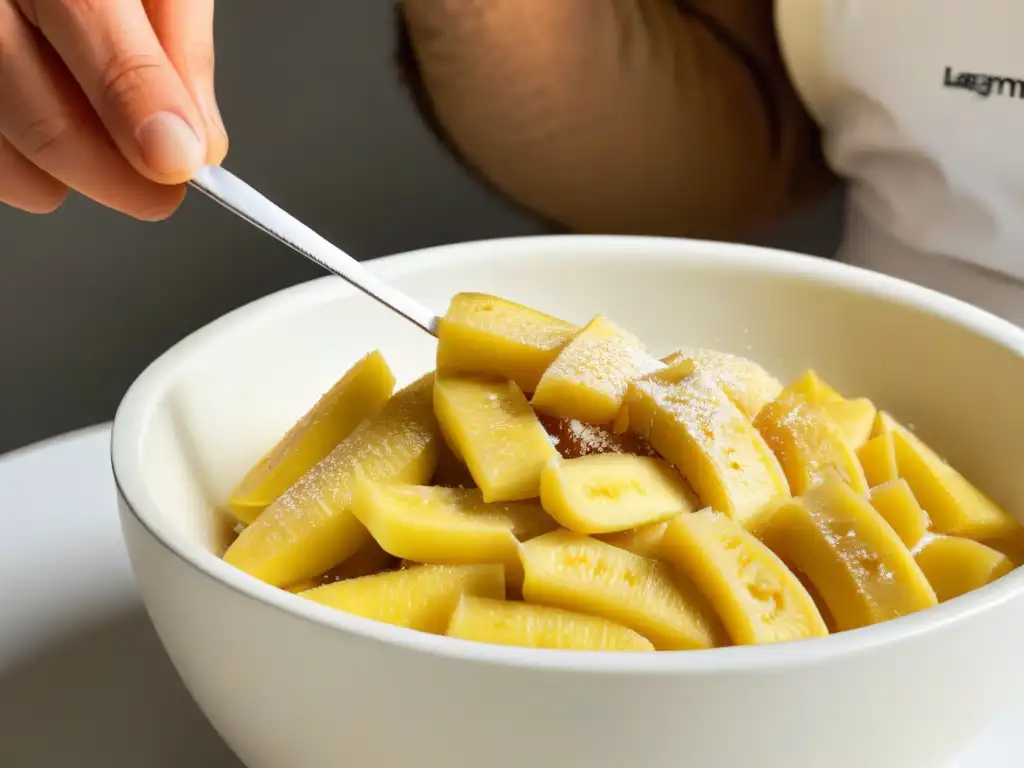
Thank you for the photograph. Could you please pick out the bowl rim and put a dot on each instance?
(138, 404)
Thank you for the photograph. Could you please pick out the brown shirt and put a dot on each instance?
(664, 117)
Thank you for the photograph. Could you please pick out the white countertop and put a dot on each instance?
(84, 682)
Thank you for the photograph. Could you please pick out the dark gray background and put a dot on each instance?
(320, 124)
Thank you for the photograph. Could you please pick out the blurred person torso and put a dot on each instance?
(716, 118)
(922, 108)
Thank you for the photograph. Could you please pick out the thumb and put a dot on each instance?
(185, 30)
(116, 57)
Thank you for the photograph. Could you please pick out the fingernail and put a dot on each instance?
(169, 145)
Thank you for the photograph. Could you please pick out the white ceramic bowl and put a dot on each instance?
(290, 684)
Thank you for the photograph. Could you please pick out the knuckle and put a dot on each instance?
(124, 78)
(41, 136)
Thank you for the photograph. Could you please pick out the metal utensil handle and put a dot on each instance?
(244, 201)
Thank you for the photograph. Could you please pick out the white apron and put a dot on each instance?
(922, 107)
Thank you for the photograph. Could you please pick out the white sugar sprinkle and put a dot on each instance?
(592, 439)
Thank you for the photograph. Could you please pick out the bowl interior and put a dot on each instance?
(206, 411)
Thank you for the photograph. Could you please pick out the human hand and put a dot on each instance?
(111, 98)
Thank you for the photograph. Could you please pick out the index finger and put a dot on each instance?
(112, 51)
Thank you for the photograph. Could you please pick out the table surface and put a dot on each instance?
(84, 681)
